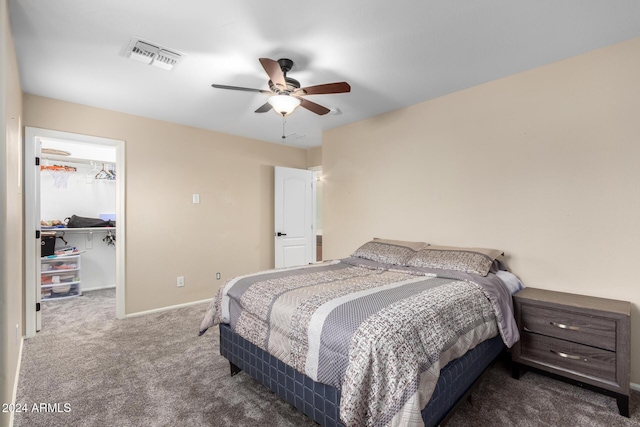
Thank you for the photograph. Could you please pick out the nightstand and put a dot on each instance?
(581, 339)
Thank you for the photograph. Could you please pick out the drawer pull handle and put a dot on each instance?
(563, 326)
(567, 356)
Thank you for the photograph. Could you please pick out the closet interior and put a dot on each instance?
(77, 179)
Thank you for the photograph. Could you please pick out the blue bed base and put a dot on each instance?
(321, 402)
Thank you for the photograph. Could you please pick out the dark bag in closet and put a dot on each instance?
(48, 243)
(81, 222)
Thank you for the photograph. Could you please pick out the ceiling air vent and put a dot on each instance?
(151, 54)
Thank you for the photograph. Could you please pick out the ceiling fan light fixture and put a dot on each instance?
(286, 94)
(284, 105)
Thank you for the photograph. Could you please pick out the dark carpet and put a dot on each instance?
(154, 370)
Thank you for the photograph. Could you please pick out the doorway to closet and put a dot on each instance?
(73, 175)
(317, 177)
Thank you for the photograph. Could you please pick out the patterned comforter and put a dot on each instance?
(378, 333)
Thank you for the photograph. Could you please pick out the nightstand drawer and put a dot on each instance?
(581, 359)
(580, 328)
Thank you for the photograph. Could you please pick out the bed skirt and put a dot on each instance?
(321, 402)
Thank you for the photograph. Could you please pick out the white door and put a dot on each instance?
(294, 217)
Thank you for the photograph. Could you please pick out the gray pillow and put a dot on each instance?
(396, 252)
(470, 260)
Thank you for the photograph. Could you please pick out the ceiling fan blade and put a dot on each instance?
(274, 72)
(340, 87)
(264, 108)
(245, 89)
(313, 107)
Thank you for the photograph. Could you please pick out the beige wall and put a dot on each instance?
(543, 165)
(230, 231)
(11, 259)
(314, 157)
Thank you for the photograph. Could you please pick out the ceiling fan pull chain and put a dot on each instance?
(283, 120)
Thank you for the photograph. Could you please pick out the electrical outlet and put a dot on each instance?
(17, 333)
(217, 276)
(180, 281)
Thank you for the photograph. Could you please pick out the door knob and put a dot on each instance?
(281, 234)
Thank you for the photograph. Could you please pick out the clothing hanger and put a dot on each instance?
(105, 174)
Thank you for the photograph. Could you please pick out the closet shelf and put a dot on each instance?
(77, 230)
(76, 160)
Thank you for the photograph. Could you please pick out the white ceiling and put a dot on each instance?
(393, 54)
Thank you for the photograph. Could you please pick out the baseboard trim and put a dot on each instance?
(635, 386)
(14, 395)
(161, 309)
(99, 288)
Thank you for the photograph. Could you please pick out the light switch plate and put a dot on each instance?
(196, 198)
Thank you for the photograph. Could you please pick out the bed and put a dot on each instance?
(395, 335)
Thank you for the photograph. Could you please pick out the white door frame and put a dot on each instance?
(317, 180)
(32, 218)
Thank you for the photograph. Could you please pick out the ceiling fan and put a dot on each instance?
(286, 93)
